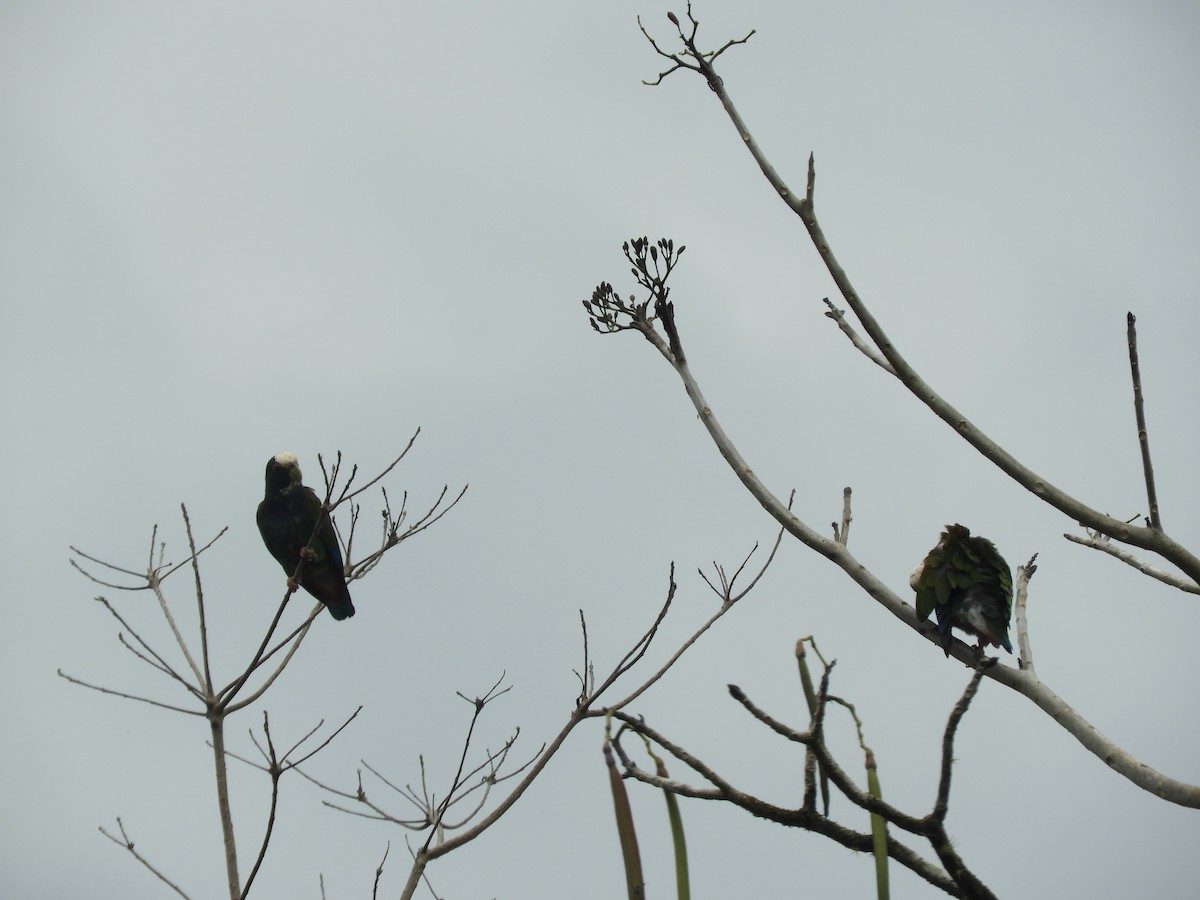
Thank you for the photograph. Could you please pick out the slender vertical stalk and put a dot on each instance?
(878, 832)
(217, 724)
(1139, 409)
(810, 698)
(634, 883)
(683, 888)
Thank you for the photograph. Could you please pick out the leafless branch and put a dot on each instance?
(393, 536)
(1103, 542)
(587, 706)
(155, 662)
(725, 593)
(275, 770)
(1021, 616)
(1149, 538)
(1025, 683)
(585, 674)
(346, 493)
(153, 569)
(206, 678)
(379, 871)
(842, 534)
(127, 842)
(839, 316)
(935, 823)
(700, 62)
(127, 696)
(1139, 410)
(955, 878)
(806, 818)
(292, 642)
(120, 587)
(217, 705)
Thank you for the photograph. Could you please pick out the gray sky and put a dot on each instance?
(231, 229)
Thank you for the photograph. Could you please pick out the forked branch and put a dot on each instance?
(1149, 538)
(606, 309)
(953, 877)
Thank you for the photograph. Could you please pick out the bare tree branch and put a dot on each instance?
(1103, 542)
(1021, 617)
(806, 818)
(1139, 410)
(206, 678)
(127, 842)
(218, 705)
(839, 316)
(956, 879)
(1025, 683)
(1149, 538)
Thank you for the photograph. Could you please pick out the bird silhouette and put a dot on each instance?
(287, 518)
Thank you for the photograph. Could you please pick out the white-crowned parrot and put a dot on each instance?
(287, 518)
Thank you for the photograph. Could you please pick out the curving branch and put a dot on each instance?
(590, 703)
(953, 877)
(618, 315)
(1148, 538)
(127, 842)
(1102, 542)
(609, 313)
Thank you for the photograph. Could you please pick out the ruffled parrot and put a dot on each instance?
(966, 581)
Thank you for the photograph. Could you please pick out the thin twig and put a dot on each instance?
(1139, 411)
(379, 871)
(799, 818)
(1147, 538)
(126, 842)
(275, 771)
(1104, 543)
(839, 316)
(206, 678)
(127, 696)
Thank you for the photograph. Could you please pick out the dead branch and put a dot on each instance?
(1139, 411)
(127, 842)
(1024, 682)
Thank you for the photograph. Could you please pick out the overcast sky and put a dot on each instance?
(232, 229)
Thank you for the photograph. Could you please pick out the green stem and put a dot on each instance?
(625, 831)
(878, 831)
